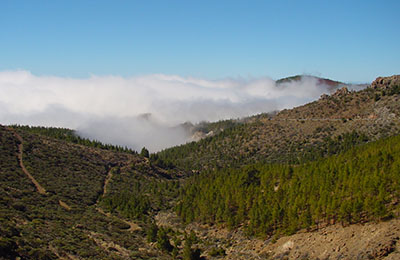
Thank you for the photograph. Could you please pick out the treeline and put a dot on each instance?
(359, 185)
(69, 135)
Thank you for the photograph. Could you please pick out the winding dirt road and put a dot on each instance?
(39, 188)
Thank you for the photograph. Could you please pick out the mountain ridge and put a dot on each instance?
(290, 132)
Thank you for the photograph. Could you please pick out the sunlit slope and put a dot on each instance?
(303, 133)
(359, 185)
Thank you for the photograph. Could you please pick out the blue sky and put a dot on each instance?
(345, 40)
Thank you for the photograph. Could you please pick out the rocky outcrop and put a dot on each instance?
(341, 92)
(386, 82)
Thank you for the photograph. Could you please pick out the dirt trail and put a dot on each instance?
(109, 246)
(106, 181)
(64, 256)
(39, 188)
(132, 226)
(64, 205)
(105, 184)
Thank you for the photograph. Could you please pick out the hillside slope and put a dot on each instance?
(205, 129)
(72, 215)
(301, 133)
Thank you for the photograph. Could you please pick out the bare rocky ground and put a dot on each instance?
(358, 241)
(368, 241)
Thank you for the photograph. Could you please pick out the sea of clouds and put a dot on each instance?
(142, 110)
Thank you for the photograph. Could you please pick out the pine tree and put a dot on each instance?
(144, 152)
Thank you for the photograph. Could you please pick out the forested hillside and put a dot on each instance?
(359, 185)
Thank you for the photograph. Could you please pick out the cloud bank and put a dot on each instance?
(143, 110)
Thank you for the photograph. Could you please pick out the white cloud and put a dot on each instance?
(108, 108)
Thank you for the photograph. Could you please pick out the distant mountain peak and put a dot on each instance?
(322, 81)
